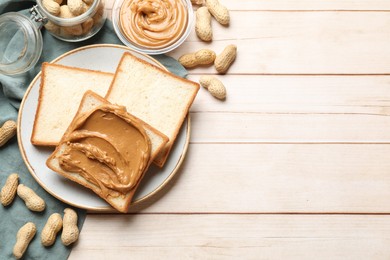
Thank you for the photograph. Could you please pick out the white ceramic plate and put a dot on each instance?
(104, 57)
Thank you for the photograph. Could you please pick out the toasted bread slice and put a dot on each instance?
(90, 103)
(61, 90)
(154, 95)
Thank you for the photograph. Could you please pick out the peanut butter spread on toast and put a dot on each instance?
(109, 148)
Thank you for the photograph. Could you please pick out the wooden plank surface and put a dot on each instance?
(294, 109)
(299, 5)
(294, 163)
(301, 43)
(308, 5)
(234, 236)
(278, 178)
(299, 94)
(289, 128)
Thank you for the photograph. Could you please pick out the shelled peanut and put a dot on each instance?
(70, 231)
(224, 60)
(23, 238)
(214, 86)
(8, 191)
(197, 2)
(7, 131)
(70, 9)
(219, 11)
(51, 6)
(74, 29)
(201, 57)
(51, 229)
(31, 199)
(203, 27)
(77, 7)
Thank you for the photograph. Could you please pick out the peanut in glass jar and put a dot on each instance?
(72, 20)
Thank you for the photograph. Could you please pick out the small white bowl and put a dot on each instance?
(151, 51)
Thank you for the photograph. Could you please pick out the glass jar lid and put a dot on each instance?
(20, 43)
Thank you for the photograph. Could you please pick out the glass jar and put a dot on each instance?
(67, 27)
(20, 43)
(21, 40)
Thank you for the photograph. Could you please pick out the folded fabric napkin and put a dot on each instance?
(12, 89)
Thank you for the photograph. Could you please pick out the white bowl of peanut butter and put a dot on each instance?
(152, 26)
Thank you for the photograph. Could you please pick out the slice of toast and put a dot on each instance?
(154, 95)
(90, 103)
(61, 90)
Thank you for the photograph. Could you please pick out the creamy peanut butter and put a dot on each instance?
(153, 23)
(108, 148)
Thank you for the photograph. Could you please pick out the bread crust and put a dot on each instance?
(128, 54)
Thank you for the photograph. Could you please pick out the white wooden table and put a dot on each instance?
(295, 164)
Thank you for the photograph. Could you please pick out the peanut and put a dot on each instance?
(197, 2)
(220, 12)
(214, 86)
(100, 9)
(74, 29)
(50, 230)
(52, 27)
(65, 12)
(8, 191)
(31, 199)
(76, 7)
(87, 25)
(70, 9)
(7, 131)
(70, 231)
(225, 59)
(203, 24)
(201, 57)
(97, 18)
(23, 238)
(64, 33)
(53, 7)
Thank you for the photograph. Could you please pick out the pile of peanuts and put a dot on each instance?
(205, 57)
(55, 222)
(69, 9)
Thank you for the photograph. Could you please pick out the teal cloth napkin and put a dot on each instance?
(12, 89)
